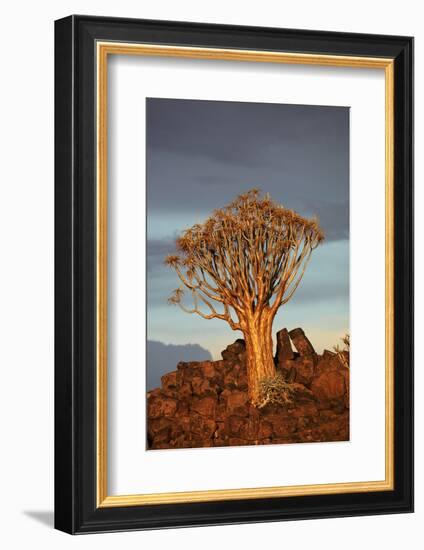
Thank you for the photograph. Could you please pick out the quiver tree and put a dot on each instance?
(244, 262)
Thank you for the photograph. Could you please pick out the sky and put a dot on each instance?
(202, 154)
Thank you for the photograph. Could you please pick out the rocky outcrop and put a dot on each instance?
(205, 403)
(285, 351)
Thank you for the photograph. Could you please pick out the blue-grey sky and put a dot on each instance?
(201, 154)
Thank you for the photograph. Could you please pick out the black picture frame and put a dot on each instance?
(76, 510)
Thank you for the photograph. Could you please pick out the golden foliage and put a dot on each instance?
(247, 256)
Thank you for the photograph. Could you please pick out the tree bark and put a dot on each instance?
(259, 355)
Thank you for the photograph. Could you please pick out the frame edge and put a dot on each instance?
(68, 490)
(64, 448)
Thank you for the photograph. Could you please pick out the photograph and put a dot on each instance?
(248, 338)
(210, 284)
(233, 273)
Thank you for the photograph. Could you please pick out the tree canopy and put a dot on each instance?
(247, 257)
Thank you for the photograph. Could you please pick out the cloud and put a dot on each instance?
(333, 217)
(157, 250)
(240, 132)
(201, 154)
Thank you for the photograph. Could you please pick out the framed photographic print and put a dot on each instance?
(234, 320)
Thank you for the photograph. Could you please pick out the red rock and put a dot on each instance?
(202, 386)
(303, 370)
(303, 423)
(157, 425)
(160, 445)
(161, 438)
(220, 432)
(180, 442)
(205, 403)
(306, 409)
(329, 386)
(249, 429)
(282, 426)
(242, 380)
(184, 390)
(346, 401)
(230, 379)
(199, 441)
(327, 363)
(253, 412)
(303, 394)
(265, 429)
(220, 442)
(183, 423)
(326, 415)
(153, 393)
(169, 384)
(212, 371)
(331, 382)
(327, 354)
(161, 406)
(236, 441)
(281, 440)
(221, 411)
(236, 402)
(284, 351)
(206, 406)
(234, 352)
(346, 375)
(234, 425)
(189, 371)
(245, 428)
(183, 407)
(201, 426)
(301, 342)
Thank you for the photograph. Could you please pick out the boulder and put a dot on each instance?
(331, 381)
(202, 426)
(329, 386)
(212, 371)
(205, 406)
(301, 370)
(235, 351)
(161, 406)
(184, 390)
(236, 402)
(249, 429)
(203, 386)
(158, 425)
(284, 351)
(169, 384)
(302, 343)
(265, 429)
(237, 441)
(282, 426)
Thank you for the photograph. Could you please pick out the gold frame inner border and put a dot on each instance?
(104, 49)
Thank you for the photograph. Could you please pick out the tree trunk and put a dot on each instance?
(259, 356)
